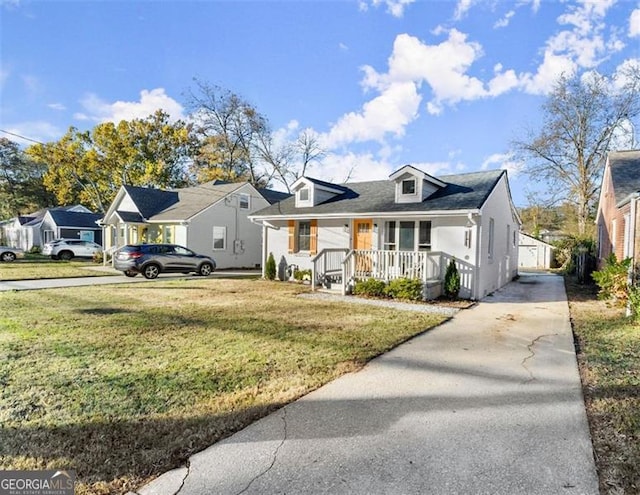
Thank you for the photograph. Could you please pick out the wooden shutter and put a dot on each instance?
(313, 241)
(292, 236)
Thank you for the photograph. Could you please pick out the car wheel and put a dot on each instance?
(129, 273)
(151, 271)
(8, 256)
(65, 255)
(54, 256)
(205, 269)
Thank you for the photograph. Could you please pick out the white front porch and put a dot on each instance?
(344, 267)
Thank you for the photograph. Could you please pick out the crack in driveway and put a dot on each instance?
(275, 453)
(188, 466)
(532, 354)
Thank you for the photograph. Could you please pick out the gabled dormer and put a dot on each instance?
(311, 192)
(413, 185)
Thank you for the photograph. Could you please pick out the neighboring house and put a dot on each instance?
(618, 217)
(411, 225)
(36, 229)
(210, 219)
(534, 253)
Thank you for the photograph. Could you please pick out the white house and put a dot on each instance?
(210, 219)
(408, 226)
(42, 226)
(534, 253)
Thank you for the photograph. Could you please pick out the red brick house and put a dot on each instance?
(618, 217)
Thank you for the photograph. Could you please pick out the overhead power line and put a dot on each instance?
(21, 137)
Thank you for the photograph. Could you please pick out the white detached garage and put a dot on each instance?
(534, 253)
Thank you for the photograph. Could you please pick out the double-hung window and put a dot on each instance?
(219, 238)
(304, 236)
(390, 236)
(424, 236)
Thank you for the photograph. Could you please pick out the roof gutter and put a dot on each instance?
(378, 214)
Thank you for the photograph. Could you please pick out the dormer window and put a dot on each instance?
(409, 186)
(413, 185)
(304, 194)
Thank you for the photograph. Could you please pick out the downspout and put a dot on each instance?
(632, 246)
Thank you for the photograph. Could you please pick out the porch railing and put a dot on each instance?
(389, 265)
(327, 263)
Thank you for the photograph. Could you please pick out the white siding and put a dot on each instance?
(244, 238)
(533, 253)
(502, 267)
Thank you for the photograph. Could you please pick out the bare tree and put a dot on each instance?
(228, 128)
(581, 118)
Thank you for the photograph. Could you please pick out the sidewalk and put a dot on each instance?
(488, 403)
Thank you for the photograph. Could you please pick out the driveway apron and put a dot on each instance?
(488, 403)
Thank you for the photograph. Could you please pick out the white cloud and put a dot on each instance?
(443, 67)
(343, 47)
(394, 7)
(503, 161)
(634, 24)
(56, 106)
(581, 46)
(150, 101)
(389, 113)
(462, 7)
(356, 167)
(504, 22)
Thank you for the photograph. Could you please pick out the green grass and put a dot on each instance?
(125, 383)
(610, 368)
(39, 268)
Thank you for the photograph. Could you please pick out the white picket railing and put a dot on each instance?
(389, 265)
(327, 263)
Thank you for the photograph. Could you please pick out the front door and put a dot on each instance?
(362, 240)
(362, 234)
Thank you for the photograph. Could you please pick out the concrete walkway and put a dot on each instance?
(52, 283)
(488, 403)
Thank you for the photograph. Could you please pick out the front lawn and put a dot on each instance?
(27, 269)
(123, 383)
(609, 361)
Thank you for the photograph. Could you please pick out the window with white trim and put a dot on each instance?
(409, 186)
(219, 238)
(424, 236)
(303, 195)
(304, 236)
(244, 201)
(390, 236)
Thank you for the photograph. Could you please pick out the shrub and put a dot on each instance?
(35, 250)
(405, 288)
(270, 267)
(634, 301)
(370, 287)
(452, 280)
(301, 275)
(98, 257)
(612, 280)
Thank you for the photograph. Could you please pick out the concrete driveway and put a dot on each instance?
(488, 403)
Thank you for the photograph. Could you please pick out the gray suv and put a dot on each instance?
(153, 259)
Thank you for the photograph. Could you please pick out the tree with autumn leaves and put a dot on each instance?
(225, 138)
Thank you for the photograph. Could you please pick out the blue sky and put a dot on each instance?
(443, 85)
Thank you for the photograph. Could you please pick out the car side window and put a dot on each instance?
(182, 251)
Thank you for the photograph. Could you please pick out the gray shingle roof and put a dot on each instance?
(151, 201)
(193, 200)
(462, 192)
(78, 219)
(625, 173)
(273, 196)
